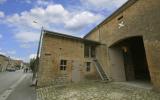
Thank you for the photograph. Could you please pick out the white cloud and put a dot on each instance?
(32, 56)
(3, 53)
(52, 14)
(38, 3)
(13, 52)
(7, 53)
(1, 36)
(2, 14)
(25, 45)
(82, 19)
(26, 37)
(16, 58)
(107, 4)
(43, 2)
(2, 1)
(54, 17)
(10, 54)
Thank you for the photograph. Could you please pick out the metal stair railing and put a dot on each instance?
(100, 70)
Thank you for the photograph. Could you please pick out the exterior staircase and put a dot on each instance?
(100, 70)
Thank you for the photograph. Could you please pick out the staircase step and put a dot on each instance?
(100, 70)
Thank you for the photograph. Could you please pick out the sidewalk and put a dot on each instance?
(24, 91)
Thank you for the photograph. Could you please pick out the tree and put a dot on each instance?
(32, 64)
(18, 66)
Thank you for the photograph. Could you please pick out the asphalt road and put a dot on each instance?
(16, 86)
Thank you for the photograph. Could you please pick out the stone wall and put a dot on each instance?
(141, 18)
(3, 63)
(54, 49)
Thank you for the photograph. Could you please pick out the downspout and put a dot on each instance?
(37, 58)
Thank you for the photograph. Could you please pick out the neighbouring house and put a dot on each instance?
(8, 63)
(17, 64)
(124, 47)
(3, 63)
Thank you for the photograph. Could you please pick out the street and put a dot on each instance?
(16, 86)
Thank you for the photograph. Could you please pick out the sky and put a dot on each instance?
(19, 34)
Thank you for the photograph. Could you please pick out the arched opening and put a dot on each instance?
(128, 60)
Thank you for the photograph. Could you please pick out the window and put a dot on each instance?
(86, 51)
(63, 64)
(47, 54)
(93, 51)
(120, 18)
(88, 66)
(121, 22)
(89, 51)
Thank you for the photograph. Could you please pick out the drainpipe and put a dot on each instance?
(40, 43)
(37, 58)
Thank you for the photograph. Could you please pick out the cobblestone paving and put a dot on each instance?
(96, 91)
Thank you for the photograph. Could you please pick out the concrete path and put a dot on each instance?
(7, 79)
(17, 86)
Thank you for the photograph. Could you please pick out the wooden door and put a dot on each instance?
(75, 71)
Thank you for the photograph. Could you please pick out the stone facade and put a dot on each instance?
(3, 63)
(14, 63)
(131, 32)
(56, 48)
(7, 63)
(136, 18)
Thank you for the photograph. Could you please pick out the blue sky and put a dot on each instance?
(19, 35)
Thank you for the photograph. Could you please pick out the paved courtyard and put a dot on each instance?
(96, 91)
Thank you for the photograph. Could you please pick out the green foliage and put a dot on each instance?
(32, 64)
(18, 66)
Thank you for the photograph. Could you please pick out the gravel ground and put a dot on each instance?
(96, 91)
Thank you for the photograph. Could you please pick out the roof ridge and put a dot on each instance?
(68, 36)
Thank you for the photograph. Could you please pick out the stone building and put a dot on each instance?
(127, 48)
(8, 63)
(15, 63)
(132, 42)
(66, 58)
(3, 62)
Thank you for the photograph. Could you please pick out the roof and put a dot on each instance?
(3, 55)
(116, 13)
(69, 37)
